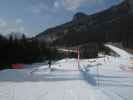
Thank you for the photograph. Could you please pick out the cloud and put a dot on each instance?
(52, 6)
(73, 5)
(19, 21)
(56, 4)
(42, 7)
(21, 29)
(2, 23)
(7, 28)
(36, 10)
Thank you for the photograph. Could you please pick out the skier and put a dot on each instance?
(49, 63)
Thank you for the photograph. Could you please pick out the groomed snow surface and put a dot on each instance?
(108, 78)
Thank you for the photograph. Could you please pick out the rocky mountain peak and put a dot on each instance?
(79, 15)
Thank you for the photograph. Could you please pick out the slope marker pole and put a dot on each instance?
(78, 54)
(98, 74)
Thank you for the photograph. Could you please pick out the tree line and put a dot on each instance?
(23, 51)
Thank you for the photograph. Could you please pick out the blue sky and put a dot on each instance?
(34, 16)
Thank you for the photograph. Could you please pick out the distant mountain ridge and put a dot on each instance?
(108, 25)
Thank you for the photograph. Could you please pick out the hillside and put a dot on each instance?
(111, 25)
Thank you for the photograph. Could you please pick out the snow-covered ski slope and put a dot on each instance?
(65, 82)
(119, 51)
(95, 79)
